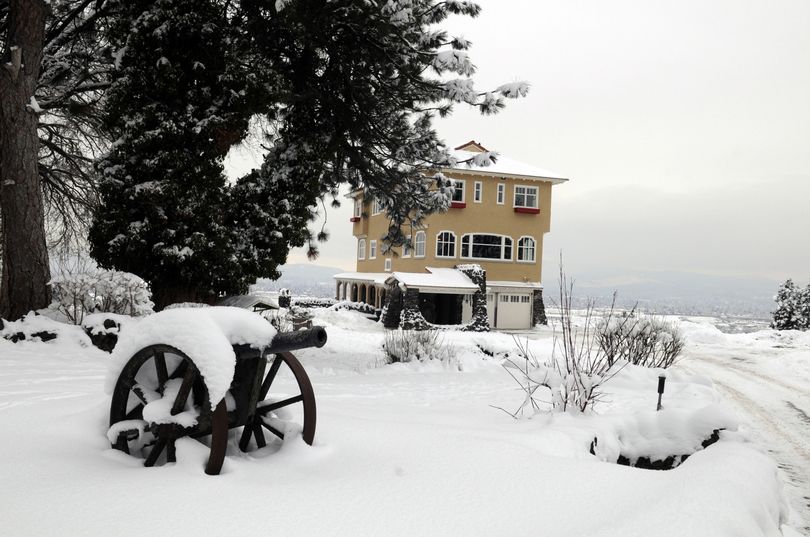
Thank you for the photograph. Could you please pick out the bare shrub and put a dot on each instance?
(281, 319)
(416, 345)
(640, 340)
(577, 368)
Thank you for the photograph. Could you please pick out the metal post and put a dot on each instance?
(662, 380)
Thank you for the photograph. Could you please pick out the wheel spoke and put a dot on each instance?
(185, 388)
(271, 376)
(140, 393)
(171, 453)
(259, 435)
(273, 430)
(121, 442)
(155, 453)
(262, 410)
(160, 367)
(245, 438)
(179, 371)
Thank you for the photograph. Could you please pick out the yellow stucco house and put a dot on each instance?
(486, 249)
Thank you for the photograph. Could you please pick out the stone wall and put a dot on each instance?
(480, 321)
(392, 307)
(538, 308)
(411, 317)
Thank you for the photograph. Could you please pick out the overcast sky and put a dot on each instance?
(683, 125)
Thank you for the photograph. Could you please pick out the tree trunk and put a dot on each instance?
(26, 272)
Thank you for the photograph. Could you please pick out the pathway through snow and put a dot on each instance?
(775, 405)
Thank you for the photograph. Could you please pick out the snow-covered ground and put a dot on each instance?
(765, 377)
(419, 449)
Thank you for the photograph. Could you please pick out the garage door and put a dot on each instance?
(514, 310)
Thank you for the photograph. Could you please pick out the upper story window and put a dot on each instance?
(458, 190)
(361, 249)
(419, 244)
(372, 250)
(376, 207)
(446, 244)
(478, 191)
(358, 208)
(388, 264)
(406, 251)
(482, 246)
(526, 250)
(501, 193)
(526, 196)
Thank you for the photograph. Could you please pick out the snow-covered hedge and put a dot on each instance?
(362, 307)
(311, 302)
(109, 291)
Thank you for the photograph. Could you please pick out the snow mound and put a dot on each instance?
(40, 328)
(702, 333)
(94, 322)
(658, 435)
(206, 335)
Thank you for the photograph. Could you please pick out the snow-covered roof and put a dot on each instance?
(249, 302)
(504, 167)
(513, 285)
(373, 277)
(437, 279)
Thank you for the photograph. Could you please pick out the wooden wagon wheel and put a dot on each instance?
(269, 405)
(166, 376)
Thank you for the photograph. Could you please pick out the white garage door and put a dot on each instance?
(514, 310)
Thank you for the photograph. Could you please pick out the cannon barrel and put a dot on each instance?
(285, 342)
(300, 339)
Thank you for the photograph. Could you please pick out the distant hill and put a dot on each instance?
(679, 292)
(302, 280)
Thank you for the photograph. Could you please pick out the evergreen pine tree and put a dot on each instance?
(178, 104)
(343, 88)
(792, 307)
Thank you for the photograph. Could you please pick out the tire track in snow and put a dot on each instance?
(777, 422)
(766, 419)
(753, 372)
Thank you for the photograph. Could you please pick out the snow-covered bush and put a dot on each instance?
(640, 339)
(108, 291)
(416, 346)
(792, 307)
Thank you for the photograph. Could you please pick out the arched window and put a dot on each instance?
(446, 244)
(361, 249)
(526, 251)
(419, 244)
(485, 246)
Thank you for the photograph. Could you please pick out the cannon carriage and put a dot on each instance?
(162, 394)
